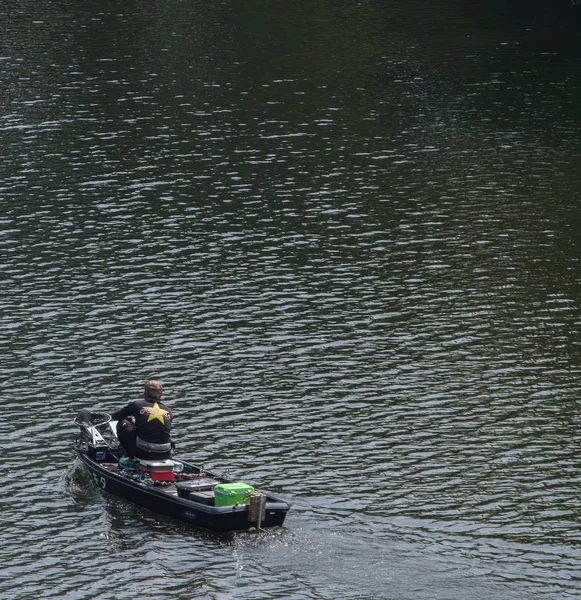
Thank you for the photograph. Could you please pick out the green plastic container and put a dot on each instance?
(228, 494)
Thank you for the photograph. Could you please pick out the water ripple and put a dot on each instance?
(358, 280)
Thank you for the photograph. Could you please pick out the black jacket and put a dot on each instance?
(152, 420)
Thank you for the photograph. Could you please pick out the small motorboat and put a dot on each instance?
(172, 487)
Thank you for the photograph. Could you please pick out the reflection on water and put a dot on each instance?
(346, 240)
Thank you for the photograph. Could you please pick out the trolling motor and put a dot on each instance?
(95, 444)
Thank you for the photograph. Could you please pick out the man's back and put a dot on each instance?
(152, 421)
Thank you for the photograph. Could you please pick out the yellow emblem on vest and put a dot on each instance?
(155, 412)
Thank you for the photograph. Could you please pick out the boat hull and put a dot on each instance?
(164, 499)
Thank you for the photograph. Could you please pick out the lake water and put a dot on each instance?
(346, 237)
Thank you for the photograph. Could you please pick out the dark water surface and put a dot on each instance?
(346, 236)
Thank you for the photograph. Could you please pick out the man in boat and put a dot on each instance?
(144, 426)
